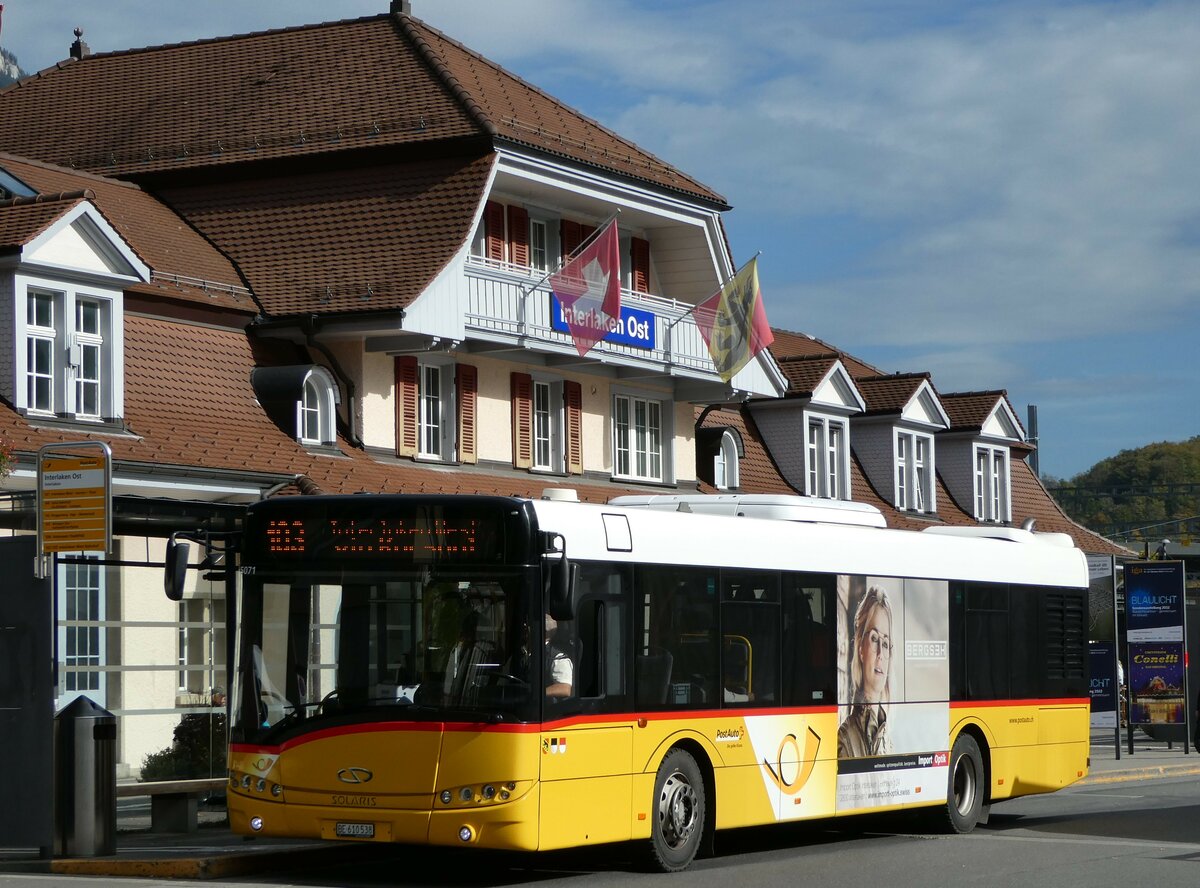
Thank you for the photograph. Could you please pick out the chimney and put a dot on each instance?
(79, 49)
(401, 7)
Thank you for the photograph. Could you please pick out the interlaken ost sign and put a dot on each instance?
(74, 498)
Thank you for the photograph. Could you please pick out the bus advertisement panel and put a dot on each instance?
(893, 659)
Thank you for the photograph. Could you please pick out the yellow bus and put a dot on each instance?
(507, 673)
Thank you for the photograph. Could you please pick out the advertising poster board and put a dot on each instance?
(1102, 657)
(894, 679)
(1154, 602)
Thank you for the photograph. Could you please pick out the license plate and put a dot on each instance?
(355, 830)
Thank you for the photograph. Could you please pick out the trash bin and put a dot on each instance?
(85, 780)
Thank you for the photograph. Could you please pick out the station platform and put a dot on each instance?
(213, 852)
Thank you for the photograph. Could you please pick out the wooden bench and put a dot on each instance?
(173, 803)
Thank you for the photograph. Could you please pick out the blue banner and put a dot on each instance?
(635, 327)
(1102, 657)
(1154, 601)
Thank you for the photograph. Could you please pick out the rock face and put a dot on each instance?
(10, 71)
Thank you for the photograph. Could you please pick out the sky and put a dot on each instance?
(1003, 193)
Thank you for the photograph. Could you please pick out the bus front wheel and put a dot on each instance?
(678, 813)
(965, 789)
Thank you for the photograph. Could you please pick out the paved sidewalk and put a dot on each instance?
(213, 852)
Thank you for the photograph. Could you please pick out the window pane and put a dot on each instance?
(39, 356)
(621, 435)
(834, 461)
(431, 411)
(537, 245)
(541, 425)
(654, 410)
(87, 317)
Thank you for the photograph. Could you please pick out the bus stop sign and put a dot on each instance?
(74, 498)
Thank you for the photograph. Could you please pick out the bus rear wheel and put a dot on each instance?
(965, 789)
(678, 813)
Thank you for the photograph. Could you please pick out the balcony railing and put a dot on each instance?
(507, 304)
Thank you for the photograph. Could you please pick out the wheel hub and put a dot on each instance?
(677, 810)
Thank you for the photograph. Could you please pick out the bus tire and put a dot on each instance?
(965, 786)
(677, 813)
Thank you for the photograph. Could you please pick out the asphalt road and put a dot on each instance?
(1144, 832)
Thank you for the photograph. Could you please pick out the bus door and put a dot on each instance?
(587, 759)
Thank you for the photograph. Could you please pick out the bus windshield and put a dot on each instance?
(370, 644)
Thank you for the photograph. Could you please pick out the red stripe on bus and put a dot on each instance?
(1063, 701)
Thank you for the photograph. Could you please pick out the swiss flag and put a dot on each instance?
(589, 289)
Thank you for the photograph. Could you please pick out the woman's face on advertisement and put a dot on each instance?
(875, 652)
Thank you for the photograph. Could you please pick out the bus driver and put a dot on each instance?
(560, 671)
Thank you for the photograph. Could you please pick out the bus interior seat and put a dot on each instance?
(653, 677)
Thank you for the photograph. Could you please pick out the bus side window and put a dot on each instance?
(809, 646)
(600, 634)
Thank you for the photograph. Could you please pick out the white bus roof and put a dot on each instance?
(779, 507)
(649, 530)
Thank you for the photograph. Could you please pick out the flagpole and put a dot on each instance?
(562, 262)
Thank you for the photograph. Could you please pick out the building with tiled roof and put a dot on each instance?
(315, 260)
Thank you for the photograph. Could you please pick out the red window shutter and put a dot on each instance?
(573, 395)
(571, 235)
(466, 378)
(639, 261)
(518, 236)
(522, 415)
(493, 226)
(406, 406)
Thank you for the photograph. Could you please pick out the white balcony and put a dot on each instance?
(508, 307)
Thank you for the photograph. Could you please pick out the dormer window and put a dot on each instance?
(68, 361)
(992, 502)
(315, 409)
(826, 458)
(914, 472)
(725, 463)
(301, 399)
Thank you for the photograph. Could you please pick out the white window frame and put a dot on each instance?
(84, 379)
(993, 484)
(81, 598)
(914, 471)
(549, 424)
(436, 421)
(826, 457)
(316, 417)
(726, 468)
(637, 419)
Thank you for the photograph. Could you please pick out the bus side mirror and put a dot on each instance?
(560, 579)
(175, 566)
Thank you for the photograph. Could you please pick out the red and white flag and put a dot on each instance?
(589, 289)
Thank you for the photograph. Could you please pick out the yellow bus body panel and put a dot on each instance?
(588, 781)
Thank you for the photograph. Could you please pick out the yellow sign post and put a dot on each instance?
(74, 498)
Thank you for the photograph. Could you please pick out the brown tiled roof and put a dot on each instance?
(757, 472)
(1029, 499)
(189, 402)
(185, 265)
(520, 112)
(889, 394)
(24, 219)
(801, 345)
(383, 81)
(341, 241)
(805, 373)
(282, 93)
(969, 410)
